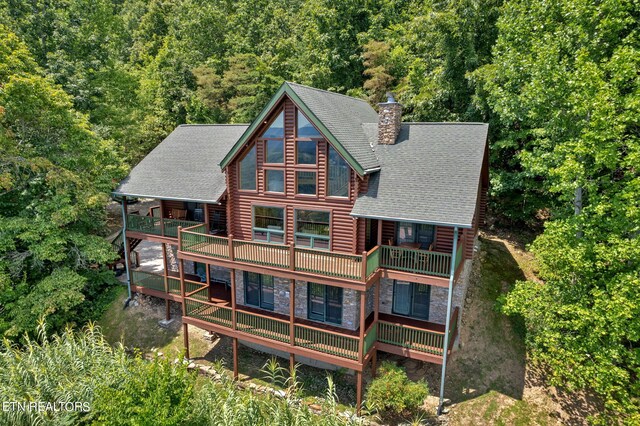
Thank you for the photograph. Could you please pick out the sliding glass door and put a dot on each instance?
(325, 303)
(411, 299)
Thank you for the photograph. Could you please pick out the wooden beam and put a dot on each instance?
(359, 392)
(185, 331)
(206, 217)
(379, 232)
(292, 362)
(292, 312)
(233, 298)
(235, 358)
(363, 297)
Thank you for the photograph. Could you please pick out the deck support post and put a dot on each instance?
(358, 392)
(447, 327)
(235, 358)
(161, 217)
(363, 326)
(126, 247)
(164, 265)
(233, 299)
(292, 363)
(185, 330)
(168, 309)
(292, 319)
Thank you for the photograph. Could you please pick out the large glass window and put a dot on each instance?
(305, 128)
(325, 303)
(268, 224)
(338, 179)
(276, 130)
(275, 180)
(312, 229)
(258, 290)
(411, 299)
(274, 151)
(306, 183)
(306, 152)
(248, 170)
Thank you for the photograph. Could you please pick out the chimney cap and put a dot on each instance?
(390, 98)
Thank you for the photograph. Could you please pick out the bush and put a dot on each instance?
(393, 393)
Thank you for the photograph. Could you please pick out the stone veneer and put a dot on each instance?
(350, 300)
(389, 122)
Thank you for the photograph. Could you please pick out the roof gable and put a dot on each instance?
(339, 118)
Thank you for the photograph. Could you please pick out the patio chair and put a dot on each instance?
(178, 214)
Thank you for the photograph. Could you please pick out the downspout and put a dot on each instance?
(447, 327)
(126, 248)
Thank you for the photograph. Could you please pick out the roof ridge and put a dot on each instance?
(432, 123)
(327, 91)
(211, 124)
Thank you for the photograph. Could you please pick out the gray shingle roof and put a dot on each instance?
(184, 166)
(430, 175)
(344, 117)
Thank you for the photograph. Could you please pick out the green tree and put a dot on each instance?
(564, 85)
(55, 176)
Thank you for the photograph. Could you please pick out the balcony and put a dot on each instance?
(352, 267)
(154, 225)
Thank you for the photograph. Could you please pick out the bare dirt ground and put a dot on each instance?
(489, 380)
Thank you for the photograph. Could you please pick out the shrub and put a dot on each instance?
(393, 393)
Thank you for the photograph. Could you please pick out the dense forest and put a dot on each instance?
(88, 87)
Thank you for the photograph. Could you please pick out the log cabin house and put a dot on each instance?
(323, 229)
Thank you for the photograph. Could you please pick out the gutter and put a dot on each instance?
(120, 194)
(400, 219)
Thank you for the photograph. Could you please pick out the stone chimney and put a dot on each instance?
(389, 120)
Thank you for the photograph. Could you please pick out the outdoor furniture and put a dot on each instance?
(178, 214)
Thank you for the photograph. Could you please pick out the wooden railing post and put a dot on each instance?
(180, 238)
(364, 266)
(164, 264)
(292, 311)
(233, 298)
(292, 256)
(363, 297)
(231, 256)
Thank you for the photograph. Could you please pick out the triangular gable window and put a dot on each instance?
(276, 130)
(305, 128)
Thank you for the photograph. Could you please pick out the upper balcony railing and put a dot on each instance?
(154, 225)
(355, 267)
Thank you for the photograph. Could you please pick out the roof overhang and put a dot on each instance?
(285, 89)
(165, 198)
(425, 222)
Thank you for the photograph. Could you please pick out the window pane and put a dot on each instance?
(306, 183)
(401, 298)
(248, 170)
(276, 130)
(268, 217)
(275, 151)
(425, 235)
(316, 301)
(334, 304)
(305, 128)
(252, 288)
(275, 180)
(312, 222)
(306, 152)
(338, 182)
(406, 233)
(267, 291)
(420, 308)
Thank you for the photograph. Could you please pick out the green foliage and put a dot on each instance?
(123, 390)
(567, 98)
(392, 393)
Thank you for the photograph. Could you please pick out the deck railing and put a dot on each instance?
(370, 338)
(174, 285)
(354, 267)
(339, 265)
(210, 312)
(148, 280)
(263, 326)
(325, 341)
(158, 226)
(416, 261)
(409, 337)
